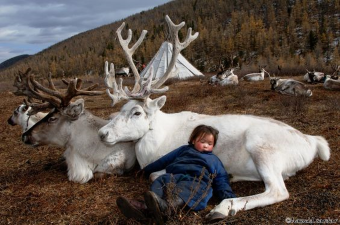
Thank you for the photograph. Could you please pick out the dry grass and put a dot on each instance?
(35, 190)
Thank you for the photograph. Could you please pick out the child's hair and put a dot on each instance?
(201, 130)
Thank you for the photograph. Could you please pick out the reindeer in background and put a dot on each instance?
(225, 77)
(332, 82)
(248, 145)
(231, 79)
(290, 87)
(256, 76)
(314, 77)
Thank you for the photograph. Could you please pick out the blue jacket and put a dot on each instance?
(184, 167)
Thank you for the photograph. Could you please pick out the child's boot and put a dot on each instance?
(156, 205)
(131, 208)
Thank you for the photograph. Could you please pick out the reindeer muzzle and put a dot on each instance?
(11, 122)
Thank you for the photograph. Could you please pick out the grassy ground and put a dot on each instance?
(34, 188)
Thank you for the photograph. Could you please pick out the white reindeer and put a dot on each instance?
(290, 87)
(248, 145)
(72, 127)
(314, 77)
(255, 76)
(226, 78)
(331, 84)
(219, 77)
(231, 79)
(20, 117)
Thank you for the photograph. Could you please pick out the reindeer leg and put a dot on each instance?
(275, 190)
(112, 164)
(79, 170)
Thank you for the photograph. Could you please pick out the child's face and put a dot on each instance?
(204, 143)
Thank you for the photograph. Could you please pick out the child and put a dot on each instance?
(189, 167)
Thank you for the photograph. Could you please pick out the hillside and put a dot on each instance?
(295, 35)
(11, 61)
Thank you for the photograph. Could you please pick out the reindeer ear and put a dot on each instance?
(74, 109)
(159, 102)
(150, 106)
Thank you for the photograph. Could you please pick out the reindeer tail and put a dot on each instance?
(323, 149)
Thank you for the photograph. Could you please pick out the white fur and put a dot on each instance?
(227, 78)
(331, 84)
(85, 154)
(20, 117)
(317, 77)
(250, 147)
(214, 80)
(254, 76)
(306, 78)
(218, 78)
(231, 79)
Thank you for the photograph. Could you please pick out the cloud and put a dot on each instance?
(42, 23)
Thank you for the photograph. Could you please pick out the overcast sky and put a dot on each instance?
(29, 26)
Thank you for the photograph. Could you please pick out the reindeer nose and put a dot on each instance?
(103, 135)
(10, 121)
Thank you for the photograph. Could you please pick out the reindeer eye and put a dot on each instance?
(52, 119)
(137, 113)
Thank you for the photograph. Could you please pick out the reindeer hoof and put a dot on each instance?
(215, 217)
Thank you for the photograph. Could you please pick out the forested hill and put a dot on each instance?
(11, 61)
(293, 34)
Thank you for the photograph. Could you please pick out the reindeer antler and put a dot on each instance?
(143, 88)
(130, 51)
(37, 106)
(177, 46)
(146, 88)
(21, 82)
(64, 99)
(51, 97)
(110, 81)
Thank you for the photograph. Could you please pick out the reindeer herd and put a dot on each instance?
(140, 132)
(282, 86)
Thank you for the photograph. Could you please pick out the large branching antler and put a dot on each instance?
(120, 94)
(143, 88)
(64, 99)
(37, 106)
(130, 51)
(21, 82)
(146, 87)
(50, 96)
(177, 47)
(25, 88)
(110, 81)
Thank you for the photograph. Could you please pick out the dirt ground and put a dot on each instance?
(34, 188)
